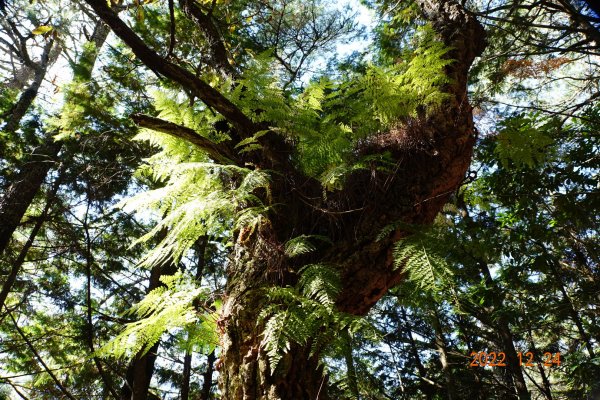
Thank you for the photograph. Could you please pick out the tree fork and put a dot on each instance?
(366, 265)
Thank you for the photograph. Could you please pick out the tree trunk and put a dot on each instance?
(352, 218)
(546, 389)
(16, 264)
(184, 394)
(244, 370)
(506, 336)
(141, 367)
(89, 330)
(428, 387)
(139, 375)
(201, 245)
(19, 195)
(442, 348)
(18, 111)
(207, 383)
(426, 175)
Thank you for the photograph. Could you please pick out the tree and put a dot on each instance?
(304, 224)
(432, 143)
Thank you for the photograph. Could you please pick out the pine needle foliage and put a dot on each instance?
(165, 308)
(306, 315)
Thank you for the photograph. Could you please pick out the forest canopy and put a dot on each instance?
(285, 199)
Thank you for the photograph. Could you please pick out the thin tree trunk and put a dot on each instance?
(16, 264)
(428, 387)
(202, 243)
(469, 342)
(442, 348)
(351, 370)
(207, 381)
(18, 111)
(506, 335)
(141, 367)
(187, 372)
(546, 389)
(20, 194)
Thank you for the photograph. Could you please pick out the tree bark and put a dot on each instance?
(244, 367)
(442, 348)
(207, 382)
(425, 178)
(19, 195)
(18, 111)
(18, 263)
(201, 245)
(428, 387)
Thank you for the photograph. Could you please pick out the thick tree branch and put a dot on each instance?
(209, 95)
(430, 177)
(217, 152)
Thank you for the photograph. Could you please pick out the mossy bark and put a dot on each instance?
(423, 180)
(244, 368)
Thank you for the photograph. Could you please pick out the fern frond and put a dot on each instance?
(425, 267)
(163, 309)
(305, 314)
(303, 244)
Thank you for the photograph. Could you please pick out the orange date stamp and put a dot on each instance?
(498, 359)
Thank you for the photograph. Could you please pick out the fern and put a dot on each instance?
(524, 140)
(421, 256)
(303, 244)
(329, 117)
(197, 202)
(164, 308)
(306, 315)
(198, 197)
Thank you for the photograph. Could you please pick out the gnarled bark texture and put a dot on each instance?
(432, 154)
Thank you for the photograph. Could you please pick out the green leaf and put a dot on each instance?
(40, 30)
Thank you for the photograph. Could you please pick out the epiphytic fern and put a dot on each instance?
(164, 308)
(306, 315)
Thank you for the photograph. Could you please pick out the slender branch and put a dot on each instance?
(217, 152)
(17, 391)
(171, 29)
(185, 78)
(209, 29)
(39, 358)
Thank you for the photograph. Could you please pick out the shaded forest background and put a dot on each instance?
(509, 265)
